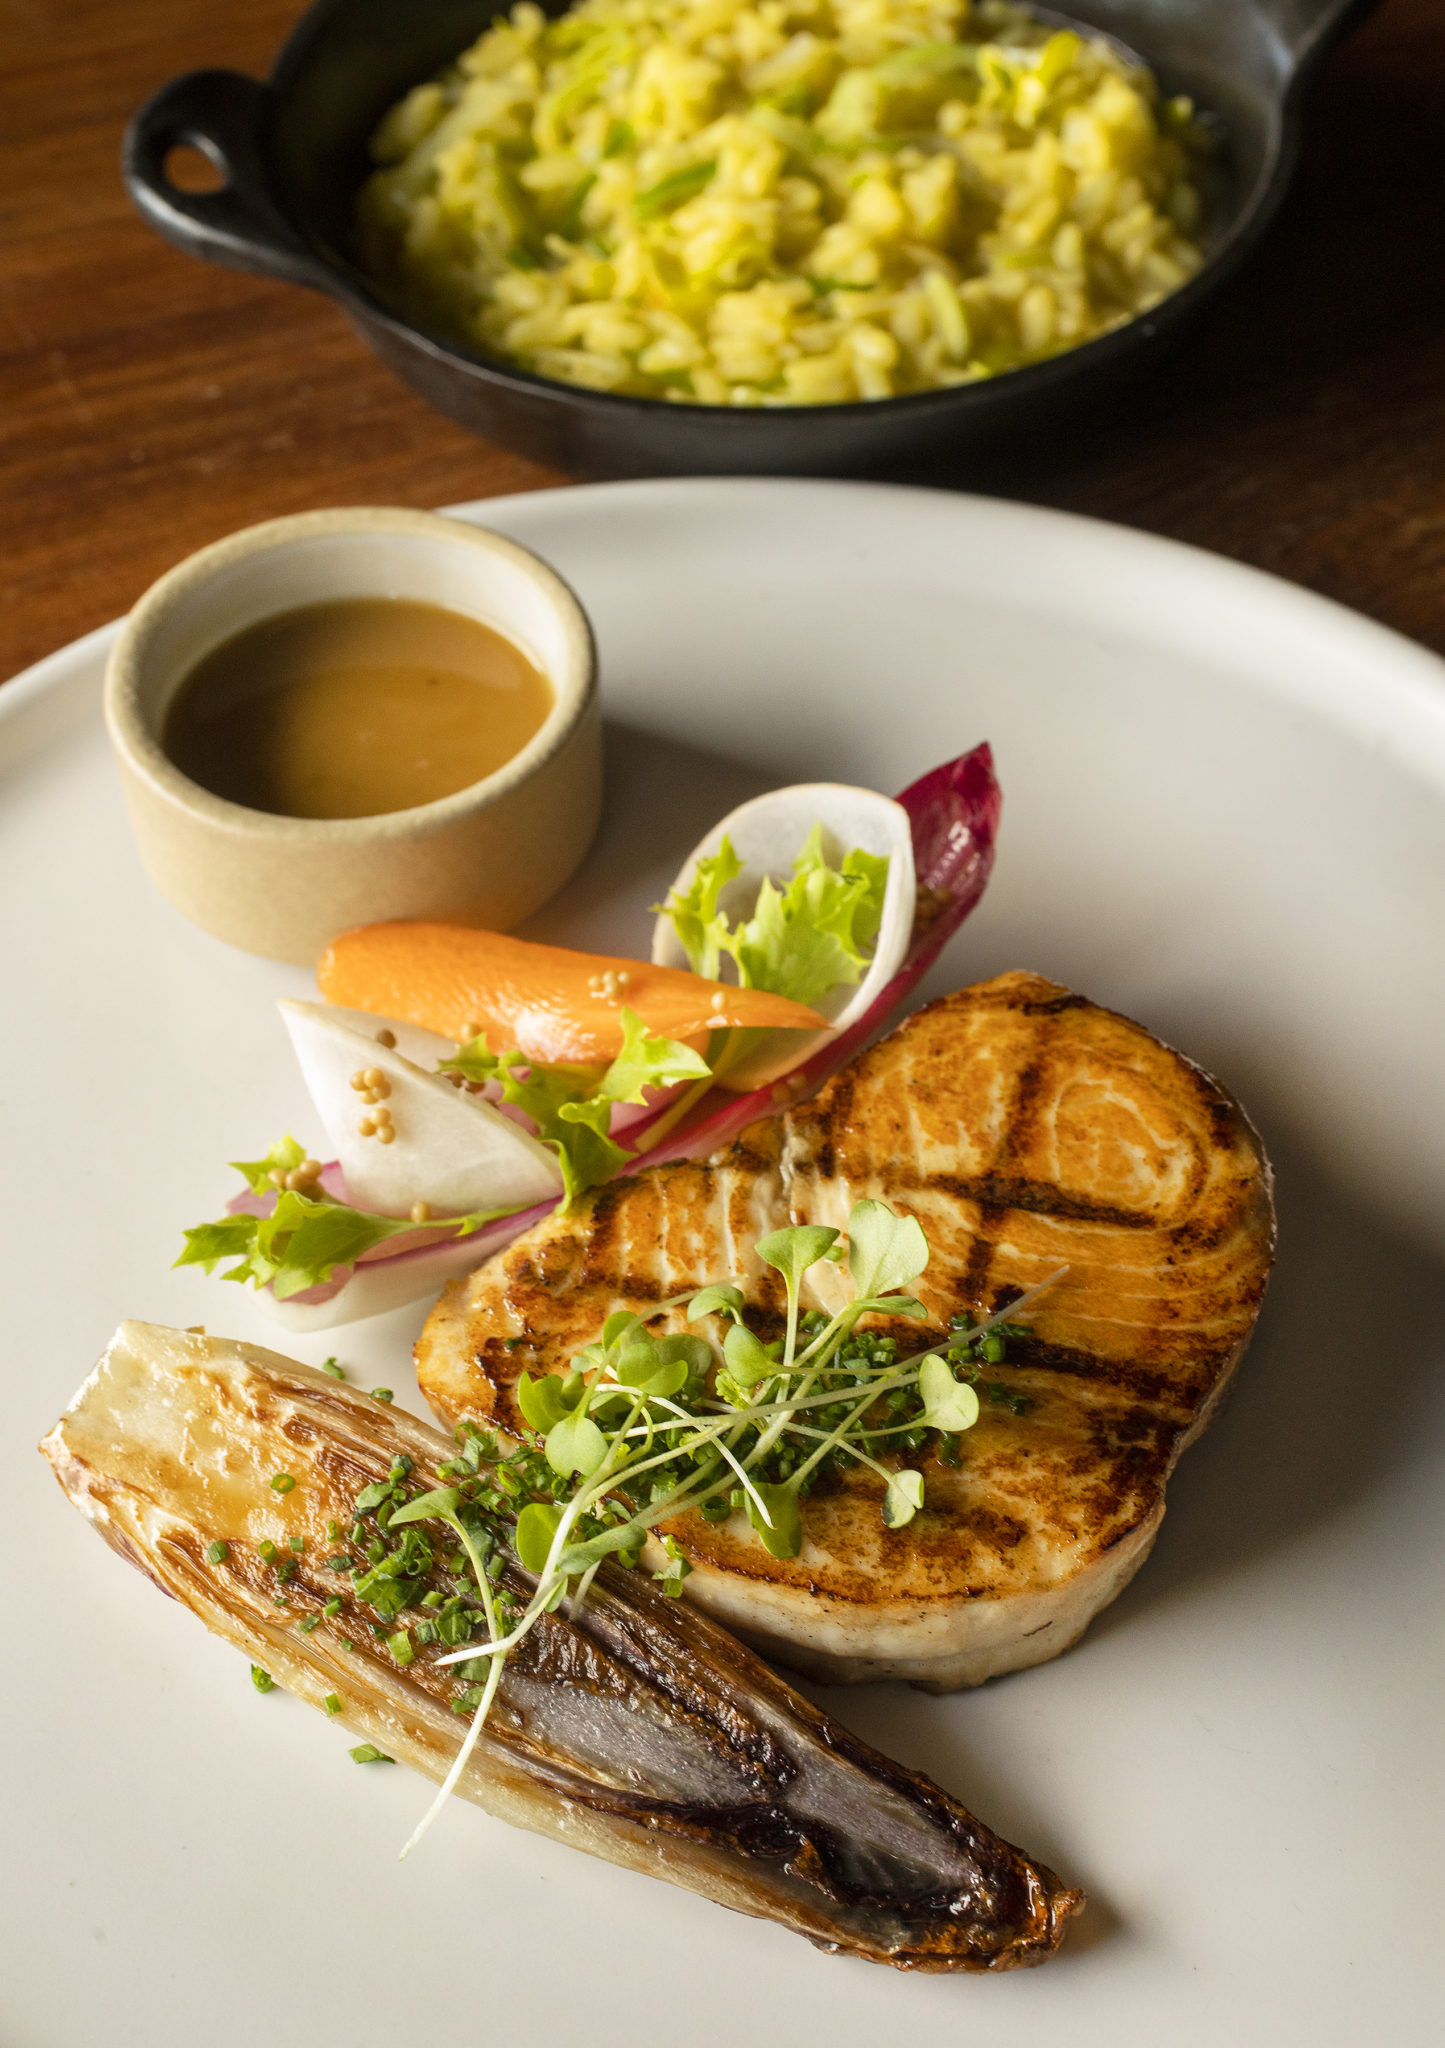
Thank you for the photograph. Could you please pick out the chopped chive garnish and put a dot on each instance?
(286, 1570)
(333, 1532)
(282, 1482)
(297, 1542)
(674, 190)
(332, 1703)
(340, 1563)
(329, 1365)
(262, 1680)
(332, 1607)
(368, 1753)
(218, 1552)
(267, 1550)
(400, 1647)
(382, 1394)
(371, 1497)
(279, 1600)
(312, 1621)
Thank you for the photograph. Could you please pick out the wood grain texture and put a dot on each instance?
(149, 403)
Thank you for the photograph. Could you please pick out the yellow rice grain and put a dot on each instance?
(781, 202)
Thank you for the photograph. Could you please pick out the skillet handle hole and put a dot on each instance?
(191, 167)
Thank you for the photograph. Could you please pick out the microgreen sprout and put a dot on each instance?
(643, 1428)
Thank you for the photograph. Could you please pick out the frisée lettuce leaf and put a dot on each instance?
(571, 1106)
(801, 941)
(303, 1240)
(283, 1158)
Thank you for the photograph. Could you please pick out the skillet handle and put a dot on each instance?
(1308, 28)
(226, 117)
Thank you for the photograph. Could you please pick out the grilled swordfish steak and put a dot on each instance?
(638, 1731)
(1026, 1129)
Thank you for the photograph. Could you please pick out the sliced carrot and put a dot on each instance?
(546, 1001)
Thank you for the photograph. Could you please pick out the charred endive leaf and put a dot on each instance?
(642, 1733)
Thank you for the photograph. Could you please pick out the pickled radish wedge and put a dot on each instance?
(808, 891)
(425, 1049)
(554, 1005)
(402, 1135)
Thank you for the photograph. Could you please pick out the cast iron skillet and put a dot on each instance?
(293, 153)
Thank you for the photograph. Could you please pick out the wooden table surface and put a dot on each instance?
(150, 403)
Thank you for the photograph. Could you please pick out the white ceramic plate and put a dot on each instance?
(1225, 815)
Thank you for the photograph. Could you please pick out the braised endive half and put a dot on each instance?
(639, 1730)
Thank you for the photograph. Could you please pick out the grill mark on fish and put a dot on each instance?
(1026, 1101)
(1136, 1383)
(997, 1193)
(1026, 1129)
(972, 1286)
(1048, 1006)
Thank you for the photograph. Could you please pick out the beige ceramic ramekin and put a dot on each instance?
(284, 887)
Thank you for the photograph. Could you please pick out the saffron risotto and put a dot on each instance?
(788, 202)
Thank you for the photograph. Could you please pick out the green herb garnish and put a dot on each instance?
(307, 1238)
(262, 1680)
(368, 1753)
(671, 191)
(802, 941)
(218, 1552)
(572, 1106)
